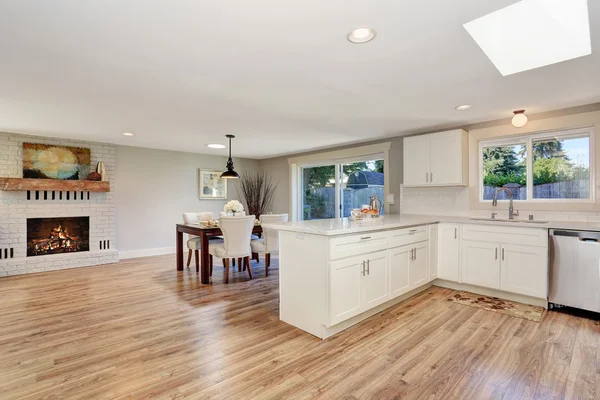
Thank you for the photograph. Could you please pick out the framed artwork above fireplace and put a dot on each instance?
(42, 161)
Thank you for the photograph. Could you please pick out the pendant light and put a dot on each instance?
(520, 119)
(230, 173)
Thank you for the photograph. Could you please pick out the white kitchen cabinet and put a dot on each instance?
(524, 270)
(400, 258)
(345, 289)
(433, 252)
(481, 264)
(437, 159)
(375, 280)
(448, 252)
(416, 160)
(358, 284)
(418, 271)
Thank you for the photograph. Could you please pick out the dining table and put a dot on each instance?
(205, 233)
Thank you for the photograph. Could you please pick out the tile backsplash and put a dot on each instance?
(455, 201)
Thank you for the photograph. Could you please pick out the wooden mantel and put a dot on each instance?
(23, 184)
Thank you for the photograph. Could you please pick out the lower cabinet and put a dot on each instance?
(418, 271)
(480, 264)
(524, 270)
(357, 284)
(448, 250)
(409, 268)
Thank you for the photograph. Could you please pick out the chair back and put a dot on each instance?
(205, 216)
(237, 232)
(190, 218)
(271, 236)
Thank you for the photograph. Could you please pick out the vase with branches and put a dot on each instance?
(258, 191)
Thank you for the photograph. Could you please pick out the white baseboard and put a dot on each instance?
(158, 251)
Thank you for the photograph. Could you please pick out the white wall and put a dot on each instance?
(154, 188)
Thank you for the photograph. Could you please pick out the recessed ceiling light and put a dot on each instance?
(216, 146)
(361, 35)
(463, 107)
(533, 33)
(127, 134)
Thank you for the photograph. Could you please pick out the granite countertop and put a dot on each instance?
(343, 226)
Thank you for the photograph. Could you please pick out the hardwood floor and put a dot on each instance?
(138, 329)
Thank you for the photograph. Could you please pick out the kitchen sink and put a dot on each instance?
(526, 221)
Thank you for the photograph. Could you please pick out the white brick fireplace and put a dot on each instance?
(17, 207)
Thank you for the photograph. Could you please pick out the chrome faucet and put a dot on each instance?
(511, 210)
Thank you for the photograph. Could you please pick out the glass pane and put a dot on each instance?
(561, 168)
(505, 167)
(318, 192)
(360, 181)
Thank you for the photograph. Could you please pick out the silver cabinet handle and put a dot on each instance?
(496, 256)
(415, 250)
(410, 232)
(503, 254)
(426, 177)
(368, 267)
(363, 268)
(455, 232)
(411, 255)
(431, 177)
(365, 237)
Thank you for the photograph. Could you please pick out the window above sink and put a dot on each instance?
(545, 167)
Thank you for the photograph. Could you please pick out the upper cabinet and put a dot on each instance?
(437, 159)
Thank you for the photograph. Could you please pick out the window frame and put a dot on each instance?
(528, 140)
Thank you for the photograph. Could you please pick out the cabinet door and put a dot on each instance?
(416, 161)
(481, 264)
(418, 272)
(448, 252)
(400, 259)
(345, 289)
(433, 252)
(446, 158)
(375, 282)
(524, 270)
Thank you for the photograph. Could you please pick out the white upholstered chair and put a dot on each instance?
(193, 242)
(236, 235)
(270, 238)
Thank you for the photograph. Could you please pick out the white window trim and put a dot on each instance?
(528, 140)
(359, 153)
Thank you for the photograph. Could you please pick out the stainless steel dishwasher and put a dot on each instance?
(575, 269)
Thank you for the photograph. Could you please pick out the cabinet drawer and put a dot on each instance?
(353, 245)
(402, 237)
(506, 234)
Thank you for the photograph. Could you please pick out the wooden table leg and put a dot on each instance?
(179, 236)
(204, 267)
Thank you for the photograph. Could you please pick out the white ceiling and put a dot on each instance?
(280, 75)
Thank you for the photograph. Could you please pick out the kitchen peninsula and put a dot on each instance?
(335, 273)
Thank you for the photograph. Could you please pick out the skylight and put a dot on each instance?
(533, 33)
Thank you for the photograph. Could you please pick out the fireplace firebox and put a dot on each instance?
(57, 235)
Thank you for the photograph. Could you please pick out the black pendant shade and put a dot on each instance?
(230, 173)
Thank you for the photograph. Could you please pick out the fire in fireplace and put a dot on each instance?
(57, 235)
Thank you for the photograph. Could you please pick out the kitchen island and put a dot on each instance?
(335, 273)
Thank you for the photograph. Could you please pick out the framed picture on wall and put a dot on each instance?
(211, 185)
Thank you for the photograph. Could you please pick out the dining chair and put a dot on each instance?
(270, 238)
(193, 243)
(237, 232)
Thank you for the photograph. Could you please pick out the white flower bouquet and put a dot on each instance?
(233, 206)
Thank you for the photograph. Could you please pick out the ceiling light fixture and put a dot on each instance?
(361, 35)
(127, 134)
(463, 107)
(230, 173)
(520, 119)
(216, 146)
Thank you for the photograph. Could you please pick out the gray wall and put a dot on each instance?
(279, 170)
(154, 188)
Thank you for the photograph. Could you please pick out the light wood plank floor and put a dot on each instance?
(139, 329)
